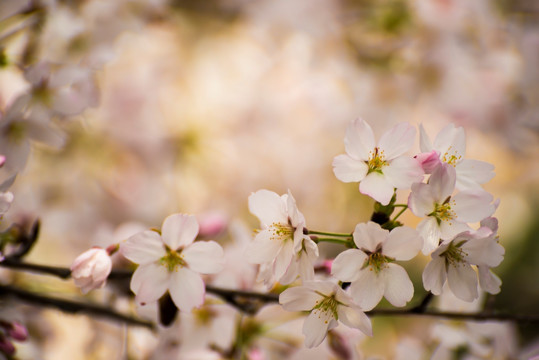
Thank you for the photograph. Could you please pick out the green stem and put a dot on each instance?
(314, 232)
(400, 205)
(400, 212)
(347, 243)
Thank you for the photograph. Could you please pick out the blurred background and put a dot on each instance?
(189, 106)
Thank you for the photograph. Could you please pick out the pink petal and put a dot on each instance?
(442, 182)
(421, 202)
(434, 275)
(397, 140)
(489, 281)
(473, 205)
(429, 161)
(376, 186)
(354, 317)
(186, 289)
(149, 282)
(205, 257)
(462, 281)
(143, 248)
(348, 169)
(347, 264)
(471, 173)
(368, 236)
(359, 140)
(398, 286)
(424, 141)
(430, 232)
(179, 230)
(403, 171)
(367, 290)
(451, 228)
(451, 140)
(268, 207)
(403, 243)
(299, 298)
(315, 327)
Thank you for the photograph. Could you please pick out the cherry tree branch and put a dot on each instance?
(246, 301)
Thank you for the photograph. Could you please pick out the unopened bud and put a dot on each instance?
(91, 269)
(6, 346)
(17, 331)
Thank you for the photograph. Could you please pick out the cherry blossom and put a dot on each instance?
(173, 261)
(281, 247)
(91, 269)
(327, 304)
(370, 268)
(446, 215)
(453, 262)
(379, 168)
(450, 147)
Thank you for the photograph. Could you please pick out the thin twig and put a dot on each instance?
(69, 306)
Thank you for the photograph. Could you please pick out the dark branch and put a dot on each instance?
(71, 307)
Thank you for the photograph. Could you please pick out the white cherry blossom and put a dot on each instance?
(327, 304)
(370, 268)
(446, 215)
(91, 269)
(379, 168)
(453, 262)
(281, 247)
(172, 261)
(450, 147)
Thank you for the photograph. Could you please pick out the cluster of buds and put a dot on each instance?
(10, 331)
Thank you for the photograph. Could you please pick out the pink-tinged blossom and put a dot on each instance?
(91, 269)
(379, 168)
(281, 247)
(453, 262)
(327, 304)
(370, 268)
(172, 261)
(445, 215)
(450, 147)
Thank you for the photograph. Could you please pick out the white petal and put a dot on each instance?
(347, 264)
(368, 236)
(442, 182)
(296, 218)
(315, 327)
(305, 268)
(398, 286)
(353, 317)
(434, 275)
(149, 282)
(359, 140)
(488, 280)
(397, 140)
(291, 273)
(348, 169)
(376, 186)
(473, 205)
(462, 281)
(487, 252)
(367, 290)
(471, 173)
(143, 248)
(204, 257)
(179, 230)
(263, 249)
(268, 207)
(421, 202)
(403, 171)
(430, 232)
(451, 228)
(186, 289)
(283, 259)
(403, 243)
(323, 287)
(299, 298)
(424, 141)
(451, 140)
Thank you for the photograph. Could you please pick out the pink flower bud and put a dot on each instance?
(2, 160)
(91, 269)
(428, 161)
(6, 346)
(17, 331)
(211, 224)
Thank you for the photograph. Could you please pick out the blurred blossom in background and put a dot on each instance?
(190, 106)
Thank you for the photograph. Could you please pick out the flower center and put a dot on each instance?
(327, 305)
(376, 161)
(454, 255)
(443, 212)
(172, 260)
(376, 262)
(451, 158)
(281, 232)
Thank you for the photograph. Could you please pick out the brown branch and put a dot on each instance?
(249, 301)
